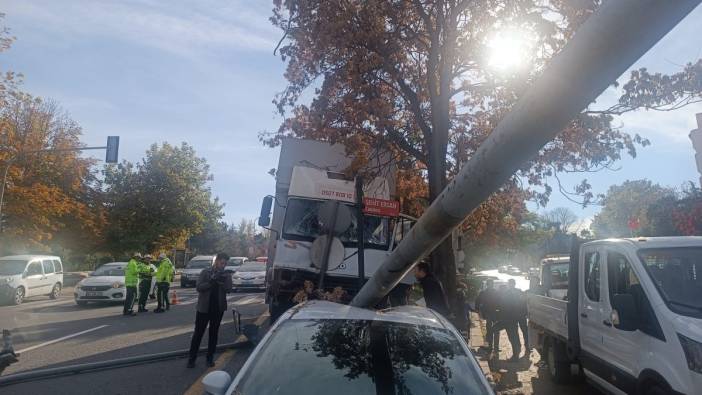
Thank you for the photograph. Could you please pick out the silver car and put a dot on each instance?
(322, 347)
(249, 276)
(105, 284)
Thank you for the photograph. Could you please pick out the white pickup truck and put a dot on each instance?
(631, 321)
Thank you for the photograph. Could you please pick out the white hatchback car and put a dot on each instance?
(105, 284)
(327, 348)
(249, 276)
(23, 276)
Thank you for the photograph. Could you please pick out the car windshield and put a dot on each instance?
(199, 264)
(301, 223)
(677, 274)
(252, 267)
(109, 271)
(12, 267)
(361, 357)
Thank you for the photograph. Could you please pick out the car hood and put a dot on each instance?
(102, 280)
(688, 326)
(250, 274)
(14, 277)
(192, 271)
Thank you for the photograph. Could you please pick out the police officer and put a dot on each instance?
(146, 273)
(131, 279)
(164, 276)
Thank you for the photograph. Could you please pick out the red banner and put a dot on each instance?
(381, 207)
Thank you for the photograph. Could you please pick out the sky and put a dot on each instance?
(204, 73)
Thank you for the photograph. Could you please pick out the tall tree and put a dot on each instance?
(561, 218)
(626, 208)
(160, 202)
(415, 77)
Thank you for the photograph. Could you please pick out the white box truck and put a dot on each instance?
(309, 174)
(631, 321)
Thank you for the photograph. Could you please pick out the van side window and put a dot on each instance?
(58, 268)
(48, 266)
(622, 280)
(592, 276)
(34, 268)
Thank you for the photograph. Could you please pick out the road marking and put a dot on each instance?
(197, 388)
(60, 339)
(247, 300)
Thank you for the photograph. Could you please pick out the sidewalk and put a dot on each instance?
(526, 376)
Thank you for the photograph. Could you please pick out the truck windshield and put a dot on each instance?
(301, 223)
(677, 273)
(360, 357)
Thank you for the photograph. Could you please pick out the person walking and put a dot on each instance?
(212, 287)
(434, 295)
(507, 319)
(131, 279)
(164, 276)
(486, 304)
(146, 273)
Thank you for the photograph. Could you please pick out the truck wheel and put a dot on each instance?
(557, 361)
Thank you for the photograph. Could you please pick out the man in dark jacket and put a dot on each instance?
(434, 295)
(486, 304)
(212, 287)
(508, 314)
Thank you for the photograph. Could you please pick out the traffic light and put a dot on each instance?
(696, 137)
(112, 149)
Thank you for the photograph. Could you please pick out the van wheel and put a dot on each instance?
(55, 292)
(558, 366)
(19, 296)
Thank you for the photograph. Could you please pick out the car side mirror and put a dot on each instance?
(264, 219)
(624, 315)
(217, 382)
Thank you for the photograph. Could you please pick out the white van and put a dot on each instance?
(22, 276)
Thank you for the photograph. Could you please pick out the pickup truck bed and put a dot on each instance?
(548, 314)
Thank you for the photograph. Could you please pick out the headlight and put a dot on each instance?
(6, 280)
(693, 353)
(117, 285)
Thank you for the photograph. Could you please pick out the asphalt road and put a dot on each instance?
(53, 333)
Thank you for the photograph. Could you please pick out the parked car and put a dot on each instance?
(514, 271)
(191, 272)
(502, 269)
(321, 347)
(105, 284)
(23, 276)
(249, 276)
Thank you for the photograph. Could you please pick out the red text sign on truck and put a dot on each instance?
(381, 207)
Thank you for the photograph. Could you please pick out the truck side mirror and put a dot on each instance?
(624, 314)
(264, 219)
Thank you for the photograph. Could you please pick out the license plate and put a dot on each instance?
(247, 282)
(93, 294)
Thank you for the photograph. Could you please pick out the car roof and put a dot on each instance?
(114, 264)
(202, 257)
(27, 257)
(320, 309)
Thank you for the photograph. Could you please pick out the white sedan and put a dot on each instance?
(249, 276)
(322, 347)
(105, 284)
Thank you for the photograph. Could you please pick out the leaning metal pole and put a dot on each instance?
(608, 43)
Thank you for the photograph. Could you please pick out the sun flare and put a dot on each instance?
(509, 50)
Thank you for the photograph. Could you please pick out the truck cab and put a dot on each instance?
(633, 319)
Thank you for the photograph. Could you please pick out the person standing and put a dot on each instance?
(486, 304)
(212, 287)
(434, 295)
(164, 276)
(131, 279)
(507, 319)
(146, 273)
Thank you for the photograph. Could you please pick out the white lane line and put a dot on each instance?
(60, 339)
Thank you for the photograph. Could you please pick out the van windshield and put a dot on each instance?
(11, 268)
(677, 274)
(200, 264)
(301, 223)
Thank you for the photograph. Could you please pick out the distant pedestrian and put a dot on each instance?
(486, 304)
(146, 273)
(164, 277)
(507, 319)
(434, 295)
(212, 287)
(131, 279)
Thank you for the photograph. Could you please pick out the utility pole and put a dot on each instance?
(112, 149)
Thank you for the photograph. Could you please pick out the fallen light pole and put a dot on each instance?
(609, 42)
